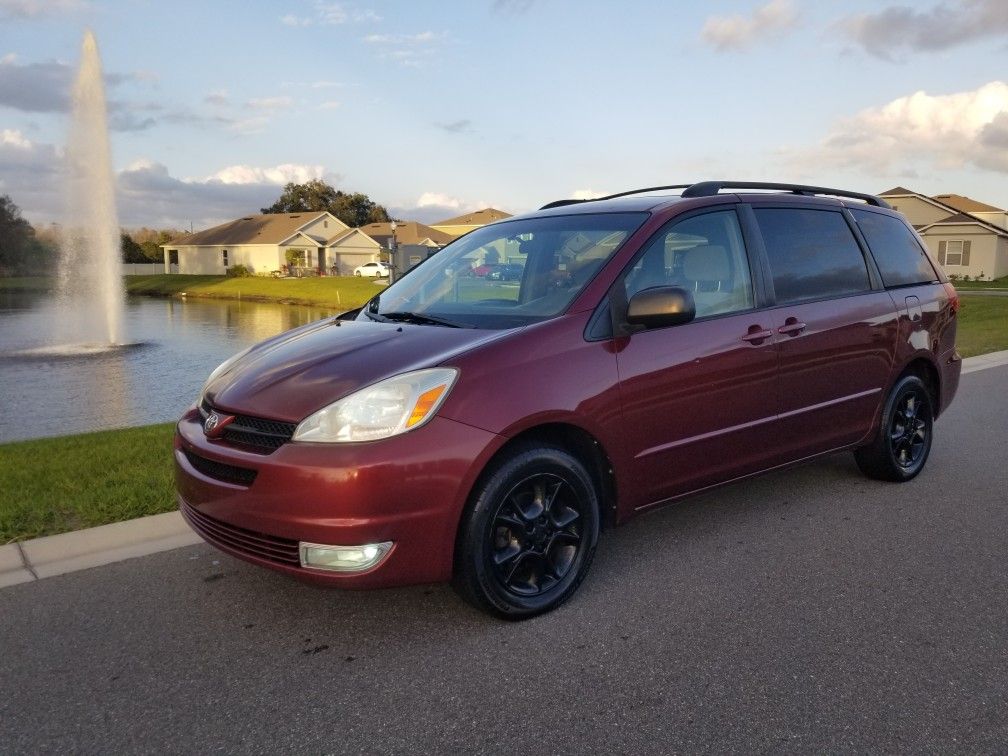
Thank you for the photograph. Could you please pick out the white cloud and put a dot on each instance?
(331, 14)
(945, 25)
(941, 131)
(329, 105)
(586, 194)
(270, 103)
(436, 199)
(15, 138)
(40, 8)
(279, 175)
(740, 32)
(406, 49)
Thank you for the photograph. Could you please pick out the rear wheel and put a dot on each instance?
(530, 535)
(903, 442)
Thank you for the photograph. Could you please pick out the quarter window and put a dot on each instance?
(813, 254)
(703, 254)
(900, 259)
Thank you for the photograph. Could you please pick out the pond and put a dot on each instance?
(177, 344)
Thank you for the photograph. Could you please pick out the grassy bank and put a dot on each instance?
(983, 325)
(344, 292)
(997, 283)
(334, 291)
(55, 485)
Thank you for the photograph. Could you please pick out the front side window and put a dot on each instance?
(507, 274)
(704, 254)
(899, 257)
(813, 254)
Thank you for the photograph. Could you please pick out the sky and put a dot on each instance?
(437, 108)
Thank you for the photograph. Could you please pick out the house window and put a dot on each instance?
(325, 224)
(954, 253)
(224, 257)
(173, 257)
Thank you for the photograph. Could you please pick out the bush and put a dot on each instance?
(239, 271)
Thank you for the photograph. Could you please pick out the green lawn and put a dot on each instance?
(997, 283)
(344, 292)
(983, 324)
(54, 485)
(337, 292)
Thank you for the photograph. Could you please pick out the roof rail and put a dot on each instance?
(563, 202)
(710, 188)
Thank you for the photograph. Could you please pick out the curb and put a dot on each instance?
(26, 561)
(53, 555)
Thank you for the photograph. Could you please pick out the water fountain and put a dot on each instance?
(89, 287)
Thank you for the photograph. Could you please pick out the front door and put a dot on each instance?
(321, 261)
(700, 399)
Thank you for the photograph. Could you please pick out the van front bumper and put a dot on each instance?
(409, 491)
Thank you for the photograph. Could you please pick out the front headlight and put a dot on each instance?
(221, 369)
(387, 408)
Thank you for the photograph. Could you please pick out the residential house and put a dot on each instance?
(968, 238)
(463, 224)
(262, 243)
(414, 242)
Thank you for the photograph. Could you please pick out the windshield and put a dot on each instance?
(509, 274)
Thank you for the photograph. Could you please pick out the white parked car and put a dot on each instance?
(372, 270)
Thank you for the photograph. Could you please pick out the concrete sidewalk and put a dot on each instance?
(82, 549)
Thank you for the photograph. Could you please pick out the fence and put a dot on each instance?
(143, 269)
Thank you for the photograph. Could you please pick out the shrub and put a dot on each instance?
(239, 271)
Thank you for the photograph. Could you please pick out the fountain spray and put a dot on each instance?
(90, 273)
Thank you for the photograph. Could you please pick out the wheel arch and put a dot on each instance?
(924, 368)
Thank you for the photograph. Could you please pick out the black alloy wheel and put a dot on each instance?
(903, 442)
(535, 535)
(530, 533)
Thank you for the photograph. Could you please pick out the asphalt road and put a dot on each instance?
(806, 611)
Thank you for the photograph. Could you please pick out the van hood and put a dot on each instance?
(292, 375)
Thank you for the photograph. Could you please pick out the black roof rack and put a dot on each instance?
(561, 203)
(710, 188)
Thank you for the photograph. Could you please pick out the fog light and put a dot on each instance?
(343, 558)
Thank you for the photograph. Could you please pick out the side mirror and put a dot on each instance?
(661, 306)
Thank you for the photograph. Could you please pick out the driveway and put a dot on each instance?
(809, 610)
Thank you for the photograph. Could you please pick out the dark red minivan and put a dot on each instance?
(484, 431)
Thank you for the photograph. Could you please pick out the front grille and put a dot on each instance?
(271, 548)
(241, 476)
(258, 434)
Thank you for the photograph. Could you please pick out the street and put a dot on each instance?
(808, 610)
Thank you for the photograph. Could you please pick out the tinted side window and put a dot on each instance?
(813, 254)
(704, 254)
(899, 257)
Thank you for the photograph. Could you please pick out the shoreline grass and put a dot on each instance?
(55, 485)
(346, 292)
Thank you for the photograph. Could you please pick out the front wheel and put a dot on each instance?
(903, 442)
(357, 273)
(530, 534)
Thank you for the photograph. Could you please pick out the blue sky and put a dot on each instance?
(435, 108)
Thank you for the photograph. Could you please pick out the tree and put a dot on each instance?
(131, 251)
(20, 250)
(355, 209)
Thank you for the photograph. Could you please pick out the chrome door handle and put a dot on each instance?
(757, 334)
(792, 327)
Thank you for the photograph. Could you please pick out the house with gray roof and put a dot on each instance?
(969, 238)
(317, 241)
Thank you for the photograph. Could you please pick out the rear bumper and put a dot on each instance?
(410, 490)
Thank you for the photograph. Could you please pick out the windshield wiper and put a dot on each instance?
(416, 317)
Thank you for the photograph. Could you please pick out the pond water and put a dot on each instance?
(175, 346)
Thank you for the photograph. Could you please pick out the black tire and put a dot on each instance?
(903, 441)
(530, 533)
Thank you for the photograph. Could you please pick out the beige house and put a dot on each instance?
(463, 224)
(316, 240)
(968, 238)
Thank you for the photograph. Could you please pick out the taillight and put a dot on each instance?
(953, 296)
